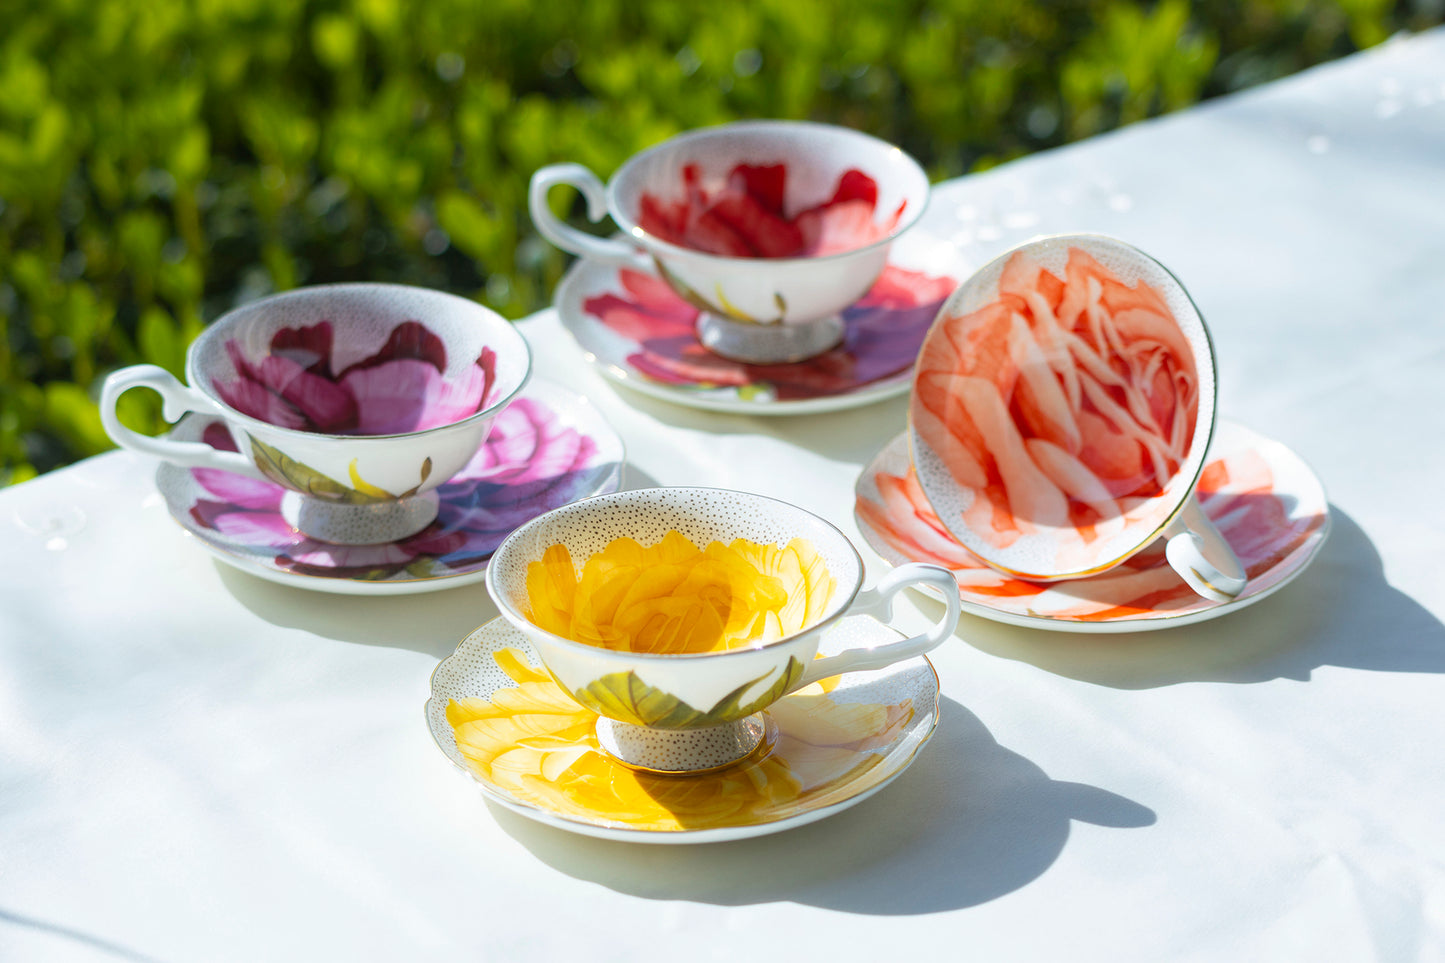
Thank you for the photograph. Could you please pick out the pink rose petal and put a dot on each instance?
(252, 398)
(243, 492)
(256, 528)
(329, 407)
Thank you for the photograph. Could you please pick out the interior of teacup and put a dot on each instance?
(360, 359)
(703, 516)
(773, 189)
(1063, 405)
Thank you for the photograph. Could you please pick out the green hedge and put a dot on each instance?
(163, 161)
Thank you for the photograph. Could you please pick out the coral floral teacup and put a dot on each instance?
(770, 228)
(685, 711)
(1062, 408)
(360, 399)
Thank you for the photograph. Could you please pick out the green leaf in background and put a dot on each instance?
(162, 162)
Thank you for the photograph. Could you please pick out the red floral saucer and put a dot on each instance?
(1263, 498)
(642, 334)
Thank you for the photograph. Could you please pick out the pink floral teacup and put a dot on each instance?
(359, 399)
(770, 228)
(1062, 408)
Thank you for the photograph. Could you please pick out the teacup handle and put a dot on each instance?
(176, 400)
(568, 238)
(878, 602)
(1198, 552)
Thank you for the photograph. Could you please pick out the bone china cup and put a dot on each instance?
(770, 228)
(1062, 408)
(359, 399)
(678, 712)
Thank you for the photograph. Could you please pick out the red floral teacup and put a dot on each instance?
(770, 228)
(360, 399)
(1062, 408)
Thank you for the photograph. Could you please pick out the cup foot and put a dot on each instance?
(768, 343)
(359, 524)
(679, 751)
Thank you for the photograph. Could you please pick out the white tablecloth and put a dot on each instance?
(199, 765)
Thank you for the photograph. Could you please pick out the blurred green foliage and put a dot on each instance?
(161, 162)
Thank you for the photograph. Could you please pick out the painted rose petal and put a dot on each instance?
(651, 294)
(448, 402)
(391, 398)
(661, 219)
(637, 324)
(766, 232)
(513, 439)
(683, 360)
(267, 529)
(254, 399)
(238, 490)
(765, 184)
(837, 228)
(218, 436)
(409, 341)
(329, 407)
(308, 346)
(240, 362)
(322, 555)
(487, 364)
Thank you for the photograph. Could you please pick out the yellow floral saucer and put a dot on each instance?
(499, 716)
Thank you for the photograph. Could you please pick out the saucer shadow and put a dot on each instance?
(969, 822)
(1339, 611)
(431, 623)
(849, 435)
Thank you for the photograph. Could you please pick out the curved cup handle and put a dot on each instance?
(878, 602)
(568, 238)
(176, 400)
(1199, 553)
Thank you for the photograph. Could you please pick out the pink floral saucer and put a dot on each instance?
(546, 449)
(641, 333)
(1266, 502)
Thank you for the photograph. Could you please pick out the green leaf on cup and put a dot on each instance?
(290, 473)
(624, 696)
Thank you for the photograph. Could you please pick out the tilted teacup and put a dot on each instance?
(683, 712)
(360, 399)
(1062, 407)
(770, 228)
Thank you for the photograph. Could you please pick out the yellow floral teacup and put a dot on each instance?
(682, 712)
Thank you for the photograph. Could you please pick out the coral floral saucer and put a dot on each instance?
(641, 334)
(498, 715)
(1263, 498)
(546, 449)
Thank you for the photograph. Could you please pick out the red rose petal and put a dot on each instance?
(765, 232)
(709, 232)
(763, 183)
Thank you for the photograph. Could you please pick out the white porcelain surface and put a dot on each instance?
(479, 507)
(470, 672)
(784, 290)
(357, 468)
(197, 765)
(881, 335)
(1264, 498)
(696, 690)
(1006, 413)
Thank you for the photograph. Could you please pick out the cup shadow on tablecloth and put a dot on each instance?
(431, 623)
(1340, 611)
(849, 436)
(969, 822)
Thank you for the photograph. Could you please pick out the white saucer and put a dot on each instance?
(832, 750)
(1264, 499)
(508, 483)
(640, 334)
